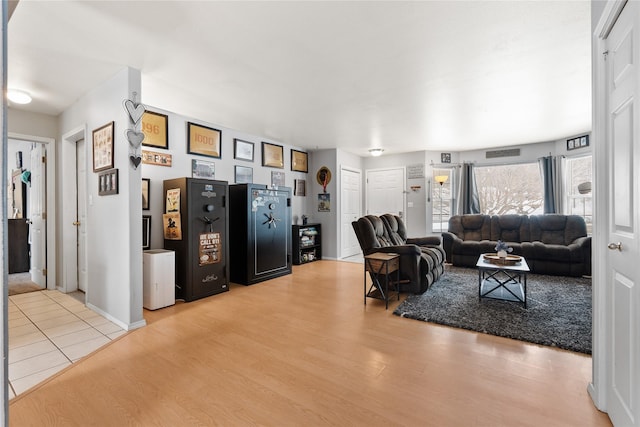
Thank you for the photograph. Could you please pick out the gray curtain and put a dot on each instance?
(550, 168)
(468, 200)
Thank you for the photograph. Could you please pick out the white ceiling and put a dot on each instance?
(404, 76)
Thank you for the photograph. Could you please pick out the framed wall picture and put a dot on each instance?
(103, 147)
(272, 155)
(203, 141)
(299, 187)
(108, 182)
(243, 175)
(277, 179)
(146, 232)
(299, 161)
(146, 185)
(203, 169)
(242, 150)
(445, 157)
(155, 127)
(578, 142)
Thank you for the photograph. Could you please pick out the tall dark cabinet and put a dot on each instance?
(260, 219)
(196, 227)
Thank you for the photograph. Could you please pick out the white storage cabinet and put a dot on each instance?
(158, 278)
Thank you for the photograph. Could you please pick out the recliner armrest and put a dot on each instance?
(424, 241)
(399, 249)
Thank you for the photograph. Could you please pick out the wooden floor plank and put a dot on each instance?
(303, 349)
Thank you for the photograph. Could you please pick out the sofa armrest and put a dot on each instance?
(447, 243)
(584, 245)
(424, 241)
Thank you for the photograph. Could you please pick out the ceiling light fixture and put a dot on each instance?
(18, 96)
(375, 152)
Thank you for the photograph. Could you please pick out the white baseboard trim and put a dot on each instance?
(125, 326)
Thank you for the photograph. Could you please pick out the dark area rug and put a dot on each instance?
(558, 312)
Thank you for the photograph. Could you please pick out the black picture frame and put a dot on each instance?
(146, 232)
(204, 141)
(155, 127)
(108, 182)
(272, 155)
(445, 157)
(146, 191)
(577, 142)
(299, 161)
(243, 150)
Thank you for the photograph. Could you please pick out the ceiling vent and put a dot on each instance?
(512, 152)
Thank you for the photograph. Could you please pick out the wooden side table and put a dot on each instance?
(379, 266)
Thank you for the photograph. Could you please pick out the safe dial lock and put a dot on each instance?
(271, 220)
(208, 208)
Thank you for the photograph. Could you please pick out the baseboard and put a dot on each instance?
(125, 326)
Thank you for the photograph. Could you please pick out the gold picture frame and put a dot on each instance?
(204, 141)
(155, 127)
(272, 155)
(299, 161)
(103, 147)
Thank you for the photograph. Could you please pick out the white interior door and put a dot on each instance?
(622, 270)
(350, 206)
(386, 191)
(81, 217)
(37, 215)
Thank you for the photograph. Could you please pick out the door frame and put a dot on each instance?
(50, 146)
(601, 308)
(359, 172)
(68, 197)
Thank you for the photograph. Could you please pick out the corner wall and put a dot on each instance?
(114, 225)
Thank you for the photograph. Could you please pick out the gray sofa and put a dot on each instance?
(552, 243)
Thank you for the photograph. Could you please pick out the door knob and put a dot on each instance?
(76, 222)
(614, 246)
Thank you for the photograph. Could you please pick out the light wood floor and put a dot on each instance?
(304, 350)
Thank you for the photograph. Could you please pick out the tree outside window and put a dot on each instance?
(510, 189)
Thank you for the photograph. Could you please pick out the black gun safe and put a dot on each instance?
(196, 227)
(260, 219)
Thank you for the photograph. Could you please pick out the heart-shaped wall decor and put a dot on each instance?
(135, 160)
(135, 138)
(135, 111)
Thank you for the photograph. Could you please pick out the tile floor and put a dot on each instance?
(48, 331)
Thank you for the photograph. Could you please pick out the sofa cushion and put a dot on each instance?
(471, 227)
(510, 228)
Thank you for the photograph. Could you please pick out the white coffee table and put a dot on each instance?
(504, 282)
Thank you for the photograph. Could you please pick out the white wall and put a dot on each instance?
(328, 220)
(224, 167)
(33, 124)
(114, 225)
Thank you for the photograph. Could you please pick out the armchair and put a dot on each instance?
(430, 246)
(415, 265)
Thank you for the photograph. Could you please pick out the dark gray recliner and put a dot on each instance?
(417, 267)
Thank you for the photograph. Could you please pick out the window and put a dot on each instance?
(578, 189)
(510, 189)
(442, 196)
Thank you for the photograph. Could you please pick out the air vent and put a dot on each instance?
(513, 152)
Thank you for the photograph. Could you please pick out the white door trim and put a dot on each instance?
(68, 197)
(342, 204)
(598, 387)
(51, 200)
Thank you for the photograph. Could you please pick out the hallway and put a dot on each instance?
(48, 331)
